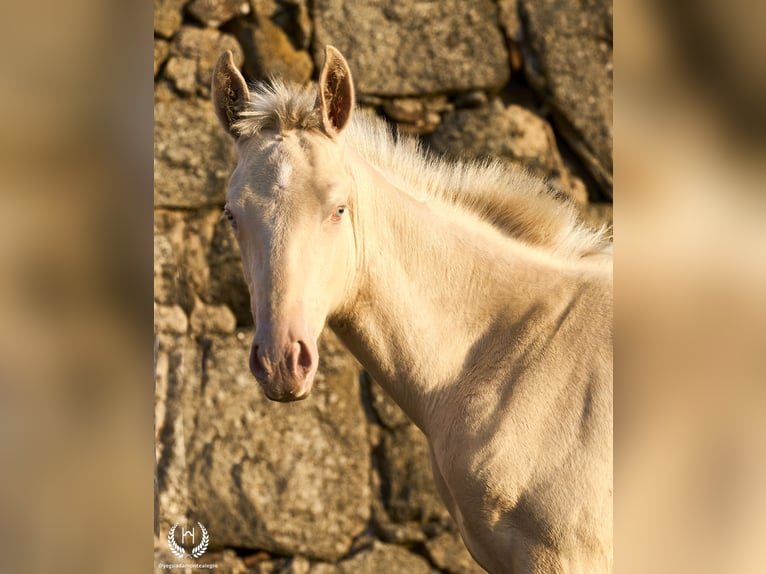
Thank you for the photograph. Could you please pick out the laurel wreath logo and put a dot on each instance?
(179, 550)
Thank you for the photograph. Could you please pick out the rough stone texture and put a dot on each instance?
(227, 562)
(170, 319)
(568, 59)
(385, 559)
(406, 469)
(293, 16)
(271, 54)
(387, 411)
(193, 56)
(448, 552)
(288, 478)
(168, 15)
(407, 48)
(227, 283)
(175, 354)
(509, 19)
(213, 13)
(511, 133)
(212, 319)
(161, 49)
(193, 158)
(182, 248)
(511, 25)
(416, 115)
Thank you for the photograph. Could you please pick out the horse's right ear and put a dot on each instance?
(229, 92)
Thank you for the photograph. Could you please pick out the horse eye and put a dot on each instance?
(339, 211)
(228, 215)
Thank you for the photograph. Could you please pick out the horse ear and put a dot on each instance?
(336, 92)
(229, 92)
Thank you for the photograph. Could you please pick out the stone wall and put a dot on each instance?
(340, 482)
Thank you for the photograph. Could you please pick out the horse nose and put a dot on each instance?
(258, 365)
(302, 359)
(299, 358)
(286, 373)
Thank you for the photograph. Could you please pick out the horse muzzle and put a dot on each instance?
(285, 372)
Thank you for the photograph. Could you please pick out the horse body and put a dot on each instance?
(487, 359)
(498, 349)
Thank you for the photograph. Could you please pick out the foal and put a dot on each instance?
(474, 298)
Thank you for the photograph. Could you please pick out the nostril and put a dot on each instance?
(256, 365)
(302, 359)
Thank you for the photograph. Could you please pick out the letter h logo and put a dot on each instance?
(184, 533)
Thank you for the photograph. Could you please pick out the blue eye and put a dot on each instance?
(338, 214)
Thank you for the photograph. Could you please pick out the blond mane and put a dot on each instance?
(520, 204)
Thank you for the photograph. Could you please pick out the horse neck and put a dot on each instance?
(431, 284)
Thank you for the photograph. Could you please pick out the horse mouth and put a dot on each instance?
(286, 393)
(287, 397)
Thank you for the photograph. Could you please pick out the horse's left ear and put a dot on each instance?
(336, 92)
(229, 92)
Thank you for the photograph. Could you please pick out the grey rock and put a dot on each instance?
(511, 133)
(474, 99)
(448, 552)
(174, 356)
(168, 276)
(287, 478)
(297, 21)
(568, 60)
(213, 13)
(183, 73)
(292, 16)
(405, 467)
(161, 50)
(414, 48)
(271, 54)
(193, 157)
(212, 319)
(412, 115)
(229, 562)
(387, 411)
(509, 19)
(181, 250)
(170, 319)
(387, 530)
(262, 563)
(193, 55)
(302, 565)
(227, 283)
(296, 565)
(168, 15)
(385, 559)
(265, 8)
(407, 110)
(324, 568)
(226, 561)
(510, 22)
